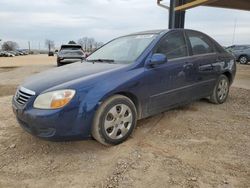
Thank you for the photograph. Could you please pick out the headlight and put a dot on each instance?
(54, 99)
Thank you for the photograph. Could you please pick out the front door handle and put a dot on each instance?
(208, 67)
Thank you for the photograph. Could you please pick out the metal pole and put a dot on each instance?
(171, 23)
(180, 15)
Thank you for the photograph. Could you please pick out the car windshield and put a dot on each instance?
(68, 47)
(122, 50)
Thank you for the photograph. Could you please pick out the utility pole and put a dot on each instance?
(49, 46)
(234, 32)
(29, 46)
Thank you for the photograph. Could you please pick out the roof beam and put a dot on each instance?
(233, 4)
(192, 4)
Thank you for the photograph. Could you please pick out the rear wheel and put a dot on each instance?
(114, 121)
(220, 91)
(243, 59)
(59, 64)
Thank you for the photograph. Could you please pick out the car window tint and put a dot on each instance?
(173, 46)
(237, 48)
(241, 47)
(200, 44)
(70, 47)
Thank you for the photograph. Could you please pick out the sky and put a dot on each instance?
(64, 20)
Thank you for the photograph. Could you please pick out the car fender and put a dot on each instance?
(128, 82)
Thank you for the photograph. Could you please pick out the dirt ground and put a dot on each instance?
(198, 145)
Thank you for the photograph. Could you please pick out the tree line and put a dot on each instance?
(88, 44)
(9, 46)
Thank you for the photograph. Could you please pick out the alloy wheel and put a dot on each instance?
(243, 60)
(222, 90)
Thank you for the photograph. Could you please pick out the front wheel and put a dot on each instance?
(220, 91)
(115, 120)
(243, 59)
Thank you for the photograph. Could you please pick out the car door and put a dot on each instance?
(168, 83)
(204, 55)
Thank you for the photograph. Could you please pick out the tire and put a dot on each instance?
(59, 64)
(220, 91)
(243, 59)
(114, 120)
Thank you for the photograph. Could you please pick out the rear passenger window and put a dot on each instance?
(173, 46)
(200, 43)
(240, 48)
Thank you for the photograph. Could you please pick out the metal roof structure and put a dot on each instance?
(232, 4)
(178, 8)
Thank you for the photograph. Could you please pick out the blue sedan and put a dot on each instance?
(129, 78)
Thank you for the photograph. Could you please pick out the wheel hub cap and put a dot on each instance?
(118, 121)
(243, 60)
(222, 89)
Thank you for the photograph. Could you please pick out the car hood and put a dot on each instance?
(60, 75)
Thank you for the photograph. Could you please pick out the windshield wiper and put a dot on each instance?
(102, 60)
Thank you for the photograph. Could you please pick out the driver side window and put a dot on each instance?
(173, 46)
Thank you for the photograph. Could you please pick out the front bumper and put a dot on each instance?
(55, 125)
(37, 131)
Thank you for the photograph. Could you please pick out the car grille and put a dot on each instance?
(23, 95)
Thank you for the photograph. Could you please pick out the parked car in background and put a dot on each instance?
(129, 78)
(8, 54)
(241, 53)
(23, 52)
(1, 54)
(70, 53)
(13, 53)
(51, 53)
(19, 52)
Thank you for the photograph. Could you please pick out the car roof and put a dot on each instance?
(149, 32)
(68, 45)
(68, 50)
(160, 31)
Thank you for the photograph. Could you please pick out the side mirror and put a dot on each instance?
(157, 59)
